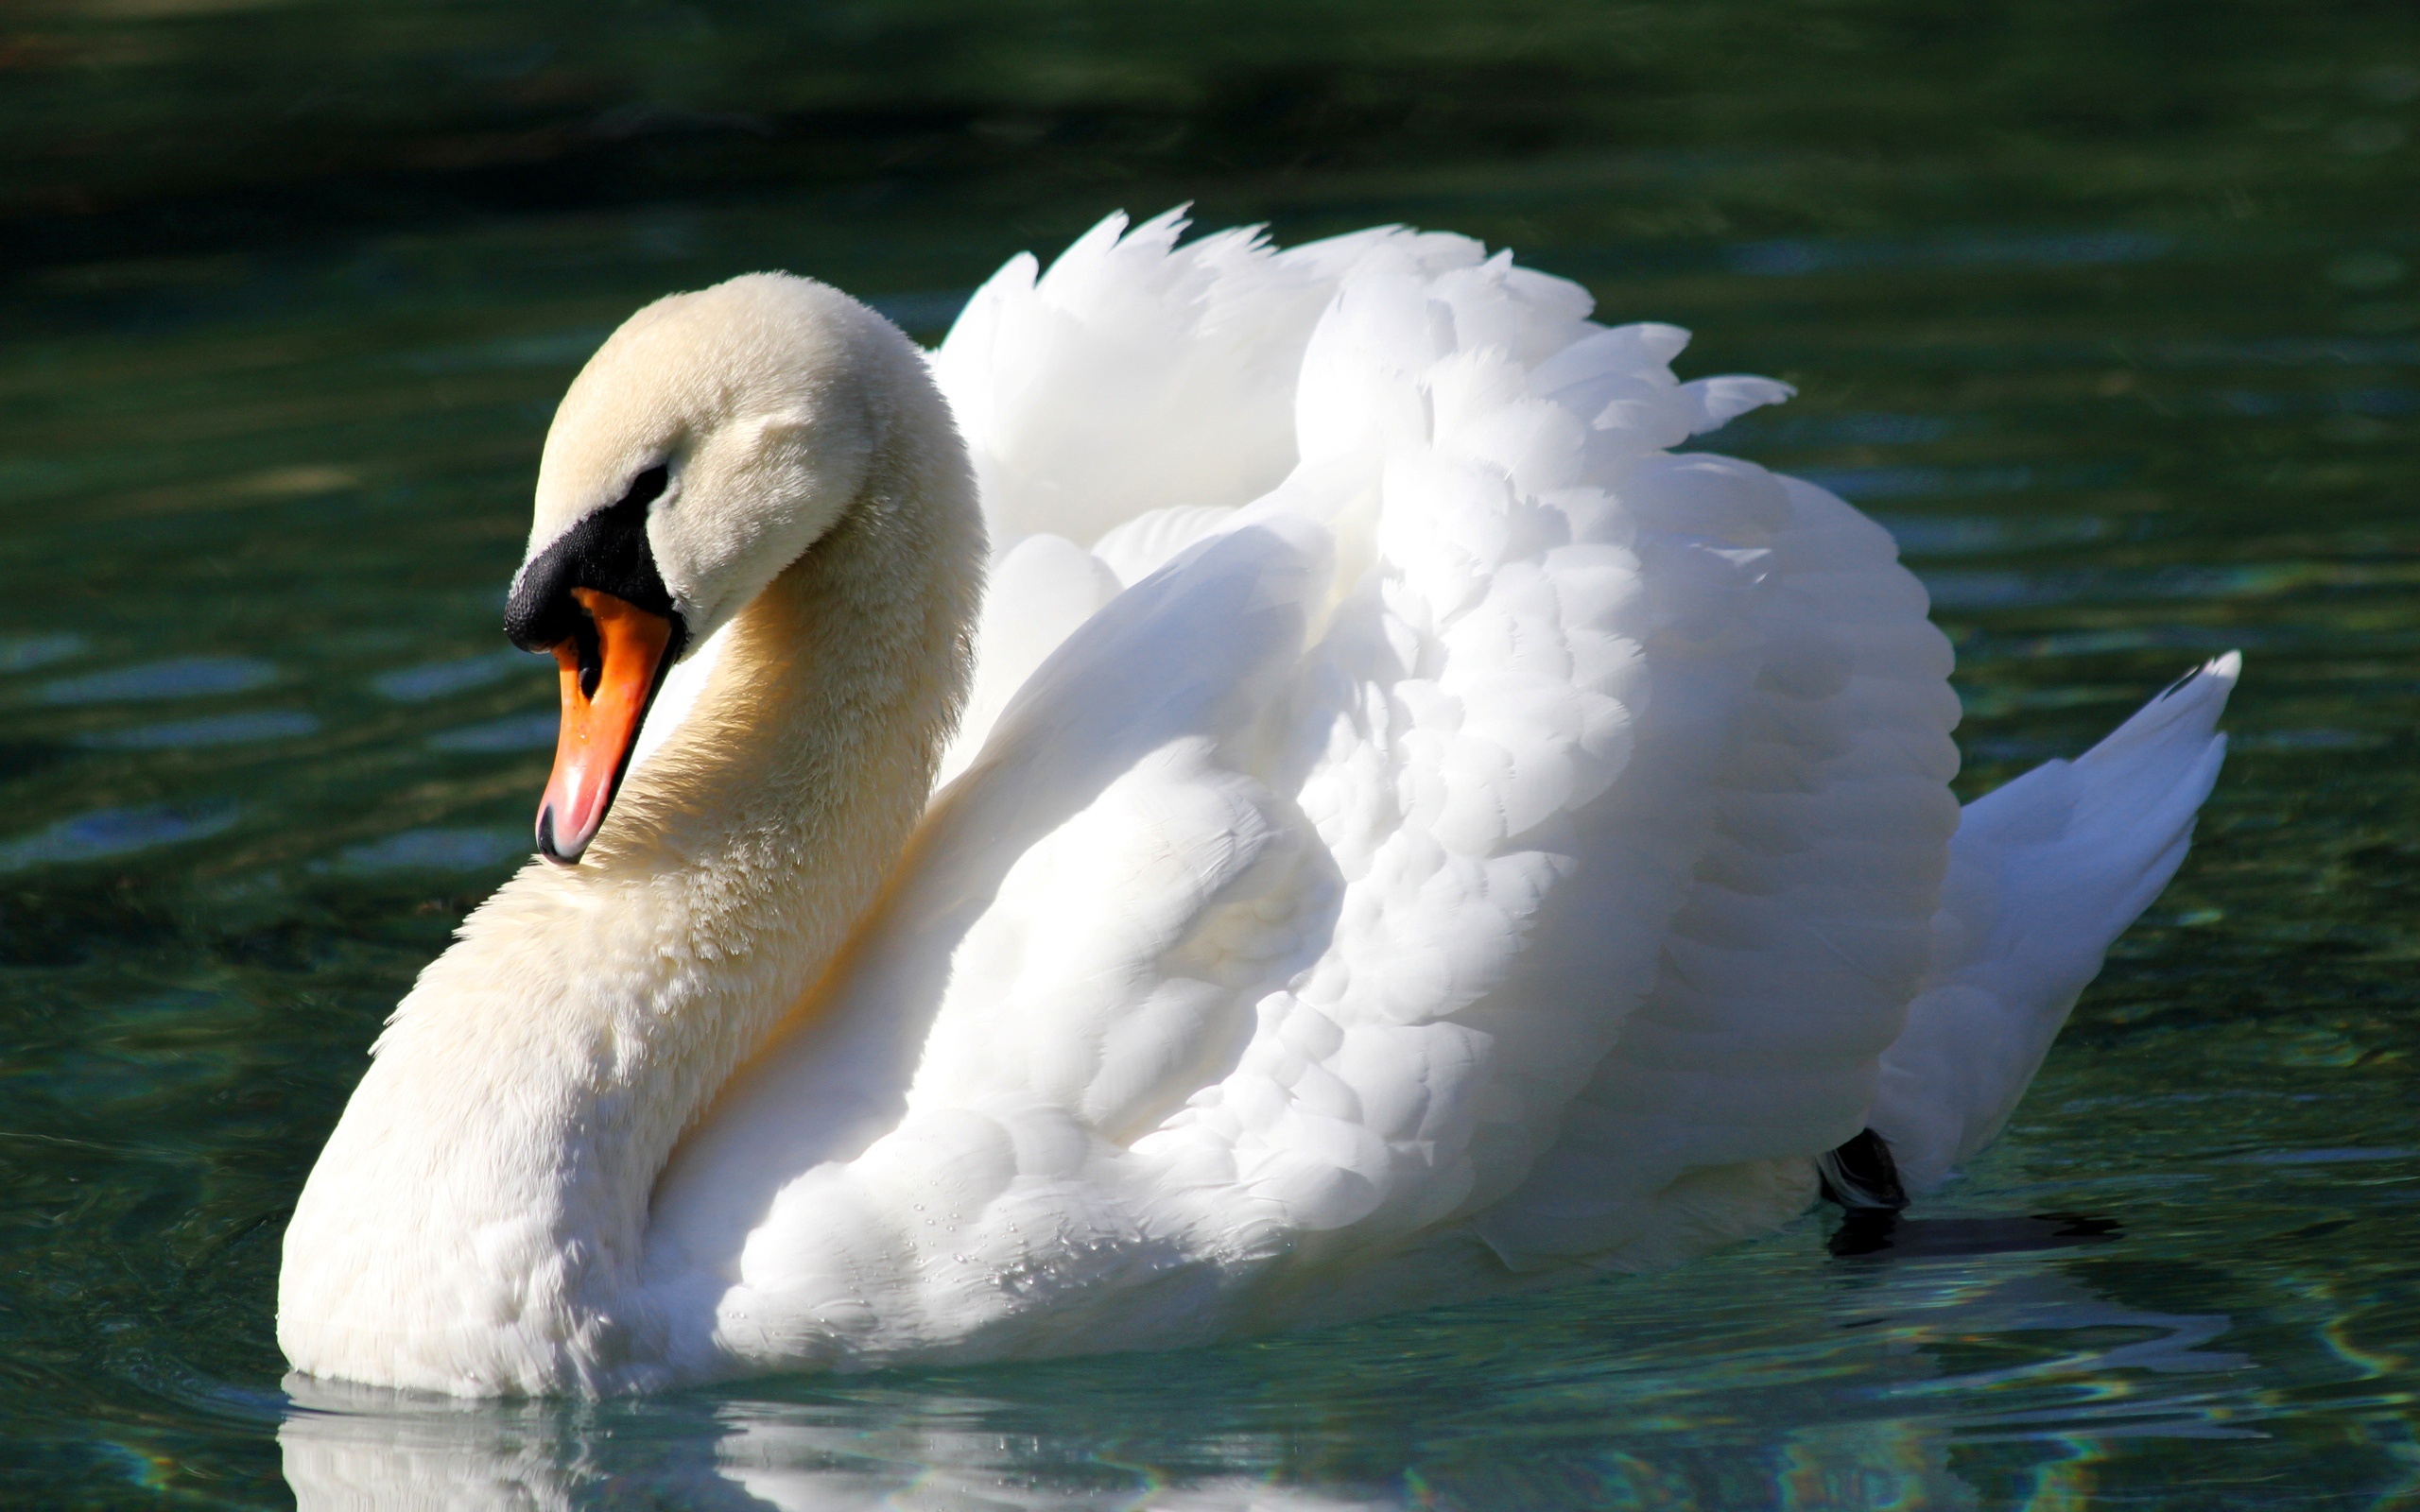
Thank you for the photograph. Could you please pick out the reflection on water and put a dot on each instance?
(23, 653)
(1890, 1385)
(530, 731)
(437, 679)
(115, 832)
(2113, 314)
(185, 678)
(2071, 249)
(476, 850)
(225, 730)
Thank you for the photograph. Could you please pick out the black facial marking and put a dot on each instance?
(607, 551)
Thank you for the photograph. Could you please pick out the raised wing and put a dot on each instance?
(1135, 374)
(1394, 868)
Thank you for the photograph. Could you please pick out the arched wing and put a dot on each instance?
(1397, 853)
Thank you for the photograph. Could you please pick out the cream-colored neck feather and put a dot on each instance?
(476, 1222)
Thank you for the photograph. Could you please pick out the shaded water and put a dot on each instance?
(2107, 311)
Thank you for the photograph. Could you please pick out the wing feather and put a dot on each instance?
(1468, 824)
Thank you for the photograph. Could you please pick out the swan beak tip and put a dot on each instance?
(547, 845)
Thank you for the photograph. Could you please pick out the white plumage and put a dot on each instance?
(1412, 833)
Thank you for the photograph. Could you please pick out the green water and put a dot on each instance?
(2108, 310)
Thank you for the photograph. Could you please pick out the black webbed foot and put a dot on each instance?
(1861, 1177)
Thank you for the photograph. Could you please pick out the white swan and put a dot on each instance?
(1412, 834)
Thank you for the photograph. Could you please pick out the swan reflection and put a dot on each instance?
(1858, 1399)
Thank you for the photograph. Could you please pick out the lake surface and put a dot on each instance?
(2108, 311)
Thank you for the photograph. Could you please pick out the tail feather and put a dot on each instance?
(2044, 875)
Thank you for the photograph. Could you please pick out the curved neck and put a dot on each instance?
(537, 1077)
(739, 854)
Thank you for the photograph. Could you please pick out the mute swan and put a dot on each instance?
(1409, 832)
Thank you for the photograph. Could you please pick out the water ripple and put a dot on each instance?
(187, 677)
(118, 831)
(534, 731)
(435, 850)
(438, 679)
(2089, 249)
(226, 729)
(23, 653)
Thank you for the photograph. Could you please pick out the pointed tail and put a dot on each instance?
(2044, 875)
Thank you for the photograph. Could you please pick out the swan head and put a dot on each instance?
(712, 440)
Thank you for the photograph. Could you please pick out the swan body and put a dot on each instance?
(1405, 830)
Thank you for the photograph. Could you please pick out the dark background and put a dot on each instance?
(173, 128)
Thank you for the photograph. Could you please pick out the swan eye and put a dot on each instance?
(645, 488)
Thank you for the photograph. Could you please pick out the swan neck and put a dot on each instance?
(497, 1160)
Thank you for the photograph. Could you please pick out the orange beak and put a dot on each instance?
(610, 672)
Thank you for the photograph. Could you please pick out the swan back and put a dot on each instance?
(1420, 871)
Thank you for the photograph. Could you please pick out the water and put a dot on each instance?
(2109, 312)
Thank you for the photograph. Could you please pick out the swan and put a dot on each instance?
(1405, 830)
